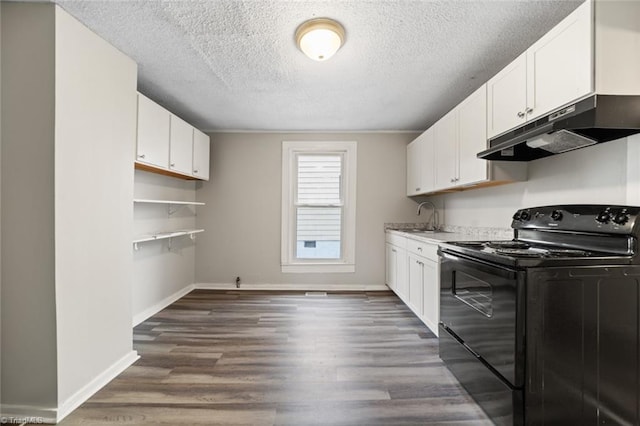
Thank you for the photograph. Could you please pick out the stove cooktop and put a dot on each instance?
(582, 235)
(522, 253)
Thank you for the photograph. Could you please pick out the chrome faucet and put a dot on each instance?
(434, 214)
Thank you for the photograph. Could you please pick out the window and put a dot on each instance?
(318, 206)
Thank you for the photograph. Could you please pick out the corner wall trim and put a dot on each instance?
(52, 415)
(152, 310)
(292, 287)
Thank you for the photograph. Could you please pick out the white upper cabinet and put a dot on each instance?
(560, 64)
(446, 150)
(445, 156)
(414, 156)
(181, 146)
(459, 136)
(420, 170)
(472, 138)
(201, 148)
(507, 97)
(555, 71)
(168, 145)
(153, 133)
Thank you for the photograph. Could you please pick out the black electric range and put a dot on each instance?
(502, 301)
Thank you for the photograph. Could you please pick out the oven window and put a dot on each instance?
(474, 292)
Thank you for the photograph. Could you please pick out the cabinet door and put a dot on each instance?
(402, 278)
(427, 161)
(153, 133)
(507, 97)
(181, 146)
(416, 277)
(472, 138)
(200, 155)
(391, 259)
(431, 295)
(414, 169)
(445, 150)
(560, 64)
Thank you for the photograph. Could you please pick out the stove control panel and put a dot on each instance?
(579, 218)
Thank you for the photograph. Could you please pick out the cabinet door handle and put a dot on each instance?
(394, 250)
(419, 248)
(520, 114)
(172, 164)
(417, 189)
(529, 110)
(195, 171)
(141, 156)
(452, 180)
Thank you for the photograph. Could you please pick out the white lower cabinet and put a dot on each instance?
(396, 266)
(431, 294)
(412, 272)
(416, 280)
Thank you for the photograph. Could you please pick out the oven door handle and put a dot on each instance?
(480, 265)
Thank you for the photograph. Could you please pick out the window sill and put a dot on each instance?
(323, 268)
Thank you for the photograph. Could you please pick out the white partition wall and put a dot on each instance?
(67, 186)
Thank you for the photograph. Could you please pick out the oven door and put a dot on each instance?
(482, 306)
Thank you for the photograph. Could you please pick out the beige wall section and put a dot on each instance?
(160, 272)
(242, 215)
(28, 308)
(593, 175)
(94, 150)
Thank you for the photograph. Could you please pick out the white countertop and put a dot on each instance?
(434, 237)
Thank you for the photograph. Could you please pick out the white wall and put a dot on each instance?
(95, 108)
(592, 175)
(68, 109)
(242, 215)
(160, 272)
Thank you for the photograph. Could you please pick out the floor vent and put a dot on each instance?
(316, 293)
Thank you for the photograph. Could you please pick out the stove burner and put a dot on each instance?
(470, 244)
(520, 252)
(507, 245)
(567, 253)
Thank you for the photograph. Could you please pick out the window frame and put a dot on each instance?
(290, 151)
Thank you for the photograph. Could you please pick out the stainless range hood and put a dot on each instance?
(596, 119)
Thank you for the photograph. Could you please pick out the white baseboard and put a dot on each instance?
(96, 384)
(292, 287)
(18, 414)
(152, 310)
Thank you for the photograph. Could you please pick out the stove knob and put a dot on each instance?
(516, 216)
(603, 217)
(621, 218)
(525, 215)
(556, 215)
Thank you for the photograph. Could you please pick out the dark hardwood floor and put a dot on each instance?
(276, 358)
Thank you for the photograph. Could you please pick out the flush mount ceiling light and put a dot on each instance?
(320, 38)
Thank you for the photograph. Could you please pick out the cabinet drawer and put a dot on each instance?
(396, 240)
(430, 251)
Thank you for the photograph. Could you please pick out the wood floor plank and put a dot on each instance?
(283, 358)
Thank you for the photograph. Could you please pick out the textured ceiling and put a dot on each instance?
(233, 65)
